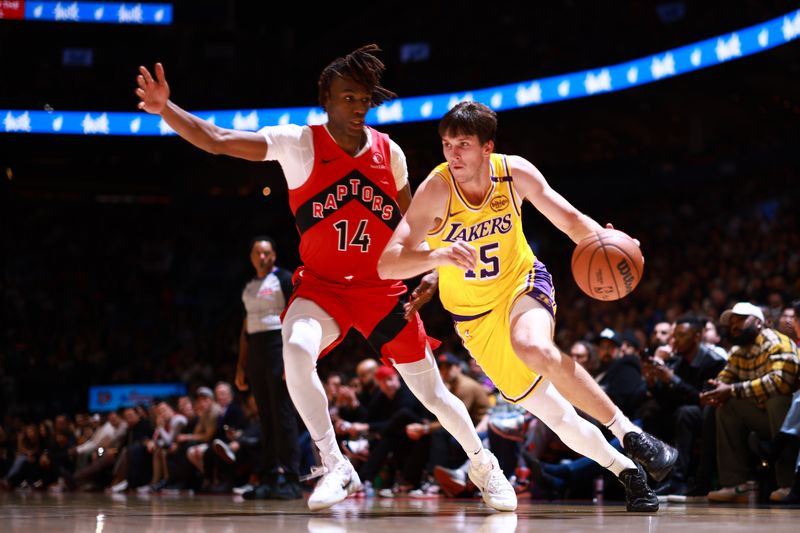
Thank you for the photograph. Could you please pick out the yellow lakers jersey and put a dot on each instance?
(494, 228)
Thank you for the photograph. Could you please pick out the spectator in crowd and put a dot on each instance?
(169, 424)
(630, 344)
(179, 472)
(111, 432)
(133, 468)
(585, 354)
(25, 468)
(786, 323)
(389, 415)
(788, 438)
(209, 413)
(620, 376)
(661, 334)
(365, 371)
(55, 462)
(711, 338)
(99, 454)
(674, 412)
(752, 393)
(239, 455)
(231, 419)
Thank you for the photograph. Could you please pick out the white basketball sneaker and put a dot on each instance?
(495, 489)
(336, 484)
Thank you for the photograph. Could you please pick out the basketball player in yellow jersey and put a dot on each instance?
(501, 297)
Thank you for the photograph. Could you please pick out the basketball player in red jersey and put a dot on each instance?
(348, 189)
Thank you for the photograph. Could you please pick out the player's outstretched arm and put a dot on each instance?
(154, 98)
(530, 183)
(402, 258)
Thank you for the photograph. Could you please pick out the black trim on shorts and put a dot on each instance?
(388, 328)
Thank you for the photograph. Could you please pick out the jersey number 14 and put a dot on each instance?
(359, 240)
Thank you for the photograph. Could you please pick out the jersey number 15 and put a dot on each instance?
(490, 262)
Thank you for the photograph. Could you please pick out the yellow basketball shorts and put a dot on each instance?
(487, 336)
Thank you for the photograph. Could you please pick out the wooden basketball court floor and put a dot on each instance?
(103, 513)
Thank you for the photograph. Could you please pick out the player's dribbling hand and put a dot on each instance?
(153, 93)
(460, 254)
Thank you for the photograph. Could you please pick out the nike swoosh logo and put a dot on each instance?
(457, 213)
(326, 161)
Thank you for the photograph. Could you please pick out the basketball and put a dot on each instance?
(607, 265)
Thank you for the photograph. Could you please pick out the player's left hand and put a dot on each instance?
(422, 294)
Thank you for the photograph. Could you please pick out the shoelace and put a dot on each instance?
(335, 476)
(316, 471)
(638, 482)
(495, 483)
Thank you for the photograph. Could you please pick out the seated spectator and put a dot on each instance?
(620, 376)
(198, 442)
(169, 425)
(100, 453)
(786, 323)
(585, 354)
(390, 412)
(674, 413)
(133, 468)
(55, 462)
(752, 393)
(660, 335)
(238, 456)
(231, 419)
(787, 438)
(179, 472)
(112, 431)
(25, 467)
(711, 338)
(365, 372)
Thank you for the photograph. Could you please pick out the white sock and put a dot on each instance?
(578, 433)
(621, 425)
(424, 380)
(481, 457)
(329, 449)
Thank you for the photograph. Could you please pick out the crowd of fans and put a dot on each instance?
(668, 382)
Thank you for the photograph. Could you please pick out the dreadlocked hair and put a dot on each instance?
(362, 67)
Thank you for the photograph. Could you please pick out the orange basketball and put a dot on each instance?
(607, 265)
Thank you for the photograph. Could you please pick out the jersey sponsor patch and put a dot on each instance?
(499, 202)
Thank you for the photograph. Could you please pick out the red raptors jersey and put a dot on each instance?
(347, 210)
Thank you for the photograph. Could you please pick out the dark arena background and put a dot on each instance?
(125, 251)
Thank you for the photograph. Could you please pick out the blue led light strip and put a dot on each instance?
(96, 12)
(649, 69)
